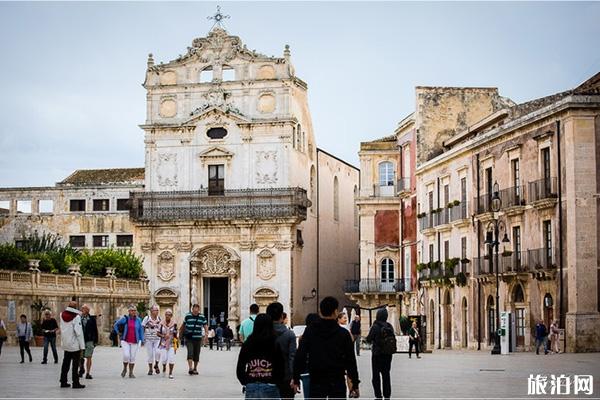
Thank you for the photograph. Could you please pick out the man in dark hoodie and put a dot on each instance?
(327, 349)
(286, 340)
(381, 360)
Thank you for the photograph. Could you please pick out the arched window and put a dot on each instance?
(386, 174)
(206, 75)
(336, 199)
(387, 270)
(518, 296)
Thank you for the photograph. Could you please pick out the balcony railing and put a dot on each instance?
(377, 285)
(517, 262)
(460, 211)
(461, 267)
(389, 190)
(426, 222)
(512, 196)
(543, 189)
(483, 203)
(233, 204)
(442, 217)
(403, 185)
(540, 258)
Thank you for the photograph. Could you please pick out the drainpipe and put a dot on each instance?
(401, 263)
(439, 257)
(479, 258)
(318, 231)
(560, 233)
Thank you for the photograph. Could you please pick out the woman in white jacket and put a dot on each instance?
(72, 343)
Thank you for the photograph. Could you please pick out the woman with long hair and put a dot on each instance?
(260, 365)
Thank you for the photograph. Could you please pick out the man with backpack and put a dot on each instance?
(286, 340)
(248, 324)
(383, 338)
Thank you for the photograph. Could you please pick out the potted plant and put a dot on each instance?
(36, 324)
(507, 253)
(450, 205)
(456, 203)
(461, 279)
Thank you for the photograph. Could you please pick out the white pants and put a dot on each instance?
(129, 351)
(152, 350)
(167, 356)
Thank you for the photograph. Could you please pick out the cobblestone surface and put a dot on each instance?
(441, 374)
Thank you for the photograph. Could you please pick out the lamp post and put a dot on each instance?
(492, 240)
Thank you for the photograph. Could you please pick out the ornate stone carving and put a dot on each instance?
(215, 260)
(266, 167)
(166, 266)
(184, 246)
(168, 108)
(266, 265)
(266, 103)
(148, 246)
(284, 244)
(247, 245)
(263, 296)
(165, 297)
(167, 170)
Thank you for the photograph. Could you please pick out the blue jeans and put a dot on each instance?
(262, 391)
(305, 379)
(541, 342)
(52, 342)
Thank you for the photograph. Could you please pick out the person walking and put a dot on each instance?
(248, 324)
(131, 337)
(355, 331)
(554, 335)
(72, 341)
(286, 340)
(24, 335)
(211, 337)
(414, 339)
(167, 334)
(541, 337)
(326, 350)
(90, 336)
(150, 324)
(260, 364)
(193, 328)
(383, 338)
(3, 334)
(49, 328)
(228, 337)
(219, 337)
(304, 375)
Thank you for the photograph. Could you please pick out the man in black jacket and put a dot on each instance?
(327, 349)
(90, 335)
(381, 362)
(286, 340)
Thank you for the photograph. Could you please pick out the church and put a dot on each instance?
(235, 204)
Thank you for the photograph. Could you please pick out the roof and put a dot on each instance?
(390, 138)
(85, 177)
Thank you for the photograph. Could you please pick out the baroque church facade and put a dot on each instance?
(237, 204)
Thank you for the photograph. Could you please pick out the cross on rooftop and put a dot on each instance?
(218, 18)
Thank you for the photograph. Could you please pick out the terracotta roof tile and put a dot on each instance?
(108, 176)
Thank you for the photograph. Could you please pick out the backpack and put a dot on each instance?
(388, 340)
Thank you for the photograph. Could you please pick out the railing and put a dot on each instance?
(426, 222)
(234, 204)
(483, 203)
(543, 189)
(460, 211)
(403, 185)
(377, 285)
(385, 190)
(540, 259)
(512, 196)
(516, 262)
(461, 267)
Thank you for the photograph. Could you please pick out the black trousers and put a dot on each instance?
(285, 391)
(412, 343)
(327, 390)
(1, 343)
(70, 360)
(381, 364)
(24, 347)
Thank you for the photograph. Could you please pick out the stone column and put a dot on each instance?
(234, 304)
(245, 277)
(581, 170)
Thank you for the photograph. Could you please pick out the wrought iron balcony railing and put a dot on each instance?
(516, 262)
(460, 211)
(426, 221)
(233, 204)
(541, 258)
(377, 285)
(512, 196)
(483, 203)
(403, 185)
(389, 190)
(543, 189)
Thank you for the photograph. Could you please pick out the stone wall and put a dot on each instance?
(108, 298)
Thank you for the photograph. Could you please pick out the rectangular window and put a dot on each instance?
(46, 206)
(516, 175)
(216, 180)
(516, 232)
(463, 247)
(547, 226)
(431, 252)
(122, 204)
(124, 240)
(101, 205)
(77, 241)
(100, 240)
(77, 205)
(446, 249)
(546, 187)
(23, 206)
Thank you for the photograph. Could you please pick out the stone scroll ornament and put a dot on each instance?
(166, 266)
(266, 265)
(167, 169)
(266, 167)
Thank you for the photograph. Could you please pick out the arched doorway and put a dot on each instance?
(491, 319)
(465, 332)
(518, 299)
(447, 320)
(214, 283)
(431, 323)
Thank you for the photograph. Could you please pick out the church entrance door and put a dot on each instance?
(216, 299)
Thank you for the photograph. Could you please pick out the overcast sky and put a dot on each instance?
(71, 73)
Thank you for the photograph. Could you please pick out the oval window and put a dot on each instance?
(216, 133)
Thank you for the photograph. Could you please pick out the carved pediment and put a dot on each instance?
(216, 112)
(266, 292)
(215, 153)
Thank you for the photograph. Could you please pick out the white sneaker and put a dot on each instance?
(170, 376)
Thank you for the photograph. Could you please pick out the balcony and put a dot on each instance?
(442, 216)
(196, 205)
(512, 197)
(541, 259)
(527, 261)
(426, 223)
(389, 190)
(543, 193)
(483, 204)
(403, 186)
(377, 285)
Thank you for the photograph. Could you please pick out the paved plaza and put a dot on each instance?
(441, 374)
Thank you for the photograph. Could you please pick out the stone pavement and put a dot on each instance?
(440, 374)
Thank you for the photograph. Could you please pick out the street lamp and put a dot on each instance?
(492, 240)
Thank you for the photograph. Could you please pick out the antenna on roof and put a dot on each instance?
(218, 18)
